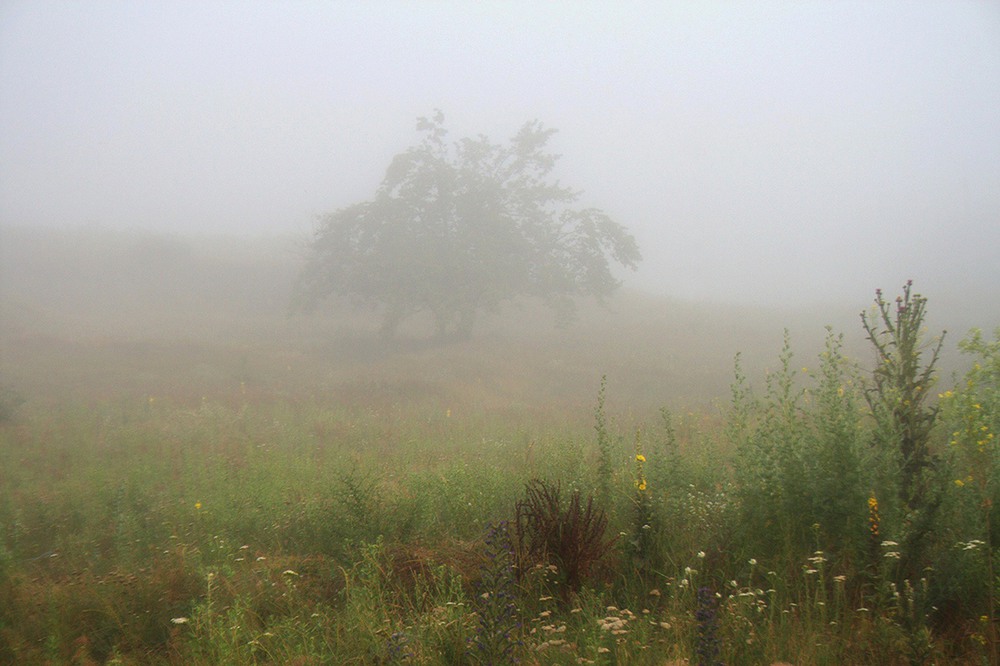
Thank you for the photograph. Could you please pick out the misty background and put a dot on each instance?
(759, 151)
(768, 156)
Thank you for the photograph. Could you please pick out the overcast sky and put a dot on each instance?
(759, 151)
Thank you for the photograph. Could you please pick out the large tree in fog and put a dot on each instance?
(456, 228)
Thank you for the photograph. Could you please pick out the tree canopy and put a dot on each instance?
(458, 228)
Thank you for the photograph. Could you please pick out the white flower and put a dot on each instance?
(180, 620)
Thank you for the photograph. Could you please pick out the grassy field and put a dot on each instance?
(188, 476)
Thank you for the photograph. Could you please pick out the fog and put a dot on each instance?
(761, 152)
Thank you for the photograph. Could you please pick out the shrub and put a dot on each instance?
(570, 537)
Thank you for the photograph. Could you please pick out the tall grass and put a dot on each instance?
(243, 529)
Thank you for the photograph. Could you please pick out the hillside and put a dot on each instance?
(96, 314)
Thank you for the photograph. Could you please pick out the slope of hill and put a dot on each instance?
(97, 314)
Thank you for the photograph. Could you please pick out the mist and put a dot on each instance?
(310, 310)
(761, 153)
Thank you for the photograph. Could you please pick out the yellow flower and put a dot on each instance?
(640, 457)
(197, 506)
(959, 483)
(873, 517)
(641, 485)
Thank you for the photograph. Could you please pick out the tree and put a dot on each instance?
(455, 229)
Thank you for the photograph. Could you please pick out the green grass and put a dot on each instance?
(291, 492)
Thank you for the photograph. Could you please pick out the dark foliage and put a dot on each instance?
(707, 619)
(572, 537)
(496, 641)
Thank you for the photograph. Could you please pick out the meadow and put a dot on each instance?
(190, 477)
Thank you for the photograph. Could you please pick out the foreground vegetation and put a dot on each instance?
(829, 513)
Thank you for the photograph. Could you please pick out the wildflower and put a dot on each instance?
(639, 457)
(873, 517)
(180, 620)
(753, 562)
(494, 642)
(197, 506)
(701, 554)
(708, 642)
